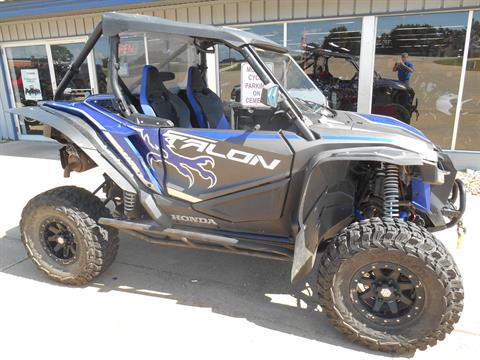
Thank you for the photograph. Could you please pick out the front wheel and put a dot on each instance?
(390, 285)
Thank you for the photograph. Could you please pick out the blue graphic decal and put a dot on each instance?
(393, 122)
(225, 135)
(355, 138)
(185, 166)
(421, 194)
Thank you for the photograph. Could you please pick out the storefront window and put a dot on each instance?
(328, 52)
(468, 137)
(102, 55)
(229, 63)
(230, 60)
(429, 71)
(63, 56)
(131, 53)
(341, 36)
(31, 82)
(273, 32)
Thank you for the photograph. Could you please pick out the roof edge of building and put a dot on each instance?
(18, 10)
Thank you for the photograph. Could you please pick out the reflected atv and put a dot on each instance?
(336, 74)
(361, 192)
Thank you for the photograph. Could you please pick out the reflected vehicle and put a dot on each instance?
(362, 192)
(336, 74)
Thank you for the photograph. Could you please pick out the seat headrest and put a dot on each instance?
(196, 80)
(156, 77)
(165, 76)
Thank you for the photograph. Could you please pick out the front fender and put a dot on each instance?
(327, 197)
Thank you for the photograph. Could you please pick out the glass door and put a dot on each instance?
(36, 69)
(63, 56)
(30, 82)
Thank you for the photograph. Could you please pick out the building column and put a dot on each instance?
(7, 128)
(367, 64)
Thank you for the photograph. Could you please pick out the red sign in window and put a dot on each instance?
(127, 49)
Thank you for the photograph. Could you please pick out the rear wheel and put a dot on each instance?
(390, 285)
(60, 231)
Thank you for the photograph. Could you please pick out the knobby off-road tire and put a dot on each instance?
(68, 215)
(415, 252)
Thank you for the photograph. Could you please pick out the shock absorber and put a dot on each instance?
(391, 192)
(130, 207)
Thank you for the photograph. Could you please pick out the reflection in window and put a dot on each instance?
(272, 32)
(468, 137)
(230, 60)
(131, 54)
(102, 55)
(31, 82)
(63, 56)
(328, 52)
(434, 44)
(229, 63)
(342, 36)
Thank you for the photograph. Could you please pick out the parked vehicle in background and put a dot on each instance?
(336, 74)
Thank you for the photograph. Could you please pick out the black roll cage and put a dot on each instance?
(118, 87)
(75, 67)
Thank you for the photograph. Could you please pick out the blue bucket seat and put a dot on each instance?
(157, 100)
(205, 104)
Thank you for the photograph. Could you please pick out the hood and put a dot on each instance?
(369, 129)
(394, 84)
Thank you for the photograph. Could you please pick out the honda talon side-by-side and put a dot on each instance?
(278, 175)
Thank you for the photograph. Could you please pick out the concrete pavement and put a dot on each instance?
(157, 302)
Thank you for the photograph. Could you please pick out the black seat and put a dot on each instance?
(205, 104)
(157, 100)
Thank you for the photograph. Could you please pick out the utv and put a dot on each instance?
(336, 75)
(364, 192)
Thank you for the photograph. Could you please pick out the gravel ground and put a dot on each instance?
(471, 178)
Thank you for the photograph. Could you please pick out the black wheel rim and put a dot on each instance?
(387, 294)
(58, 241)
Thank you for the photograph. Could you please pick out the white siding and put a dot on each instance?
(415, 4)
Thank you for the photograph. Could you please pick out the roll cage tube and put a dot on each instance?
(75, 67)
(267, 77)
(113, 67)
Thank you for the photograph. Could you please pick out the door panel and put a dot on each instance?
(202, 164)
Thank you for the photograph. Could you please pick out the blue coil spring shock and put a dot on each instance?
(391, 192)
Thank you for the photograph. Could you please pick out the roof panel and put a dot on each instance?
(114, 23)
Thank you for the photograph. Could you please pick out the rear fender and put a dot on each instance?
(327, 197)
(82, 135)
(79, 132)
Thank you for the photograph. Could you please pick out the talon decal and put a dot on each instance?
(185, 166)
(188, 166)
